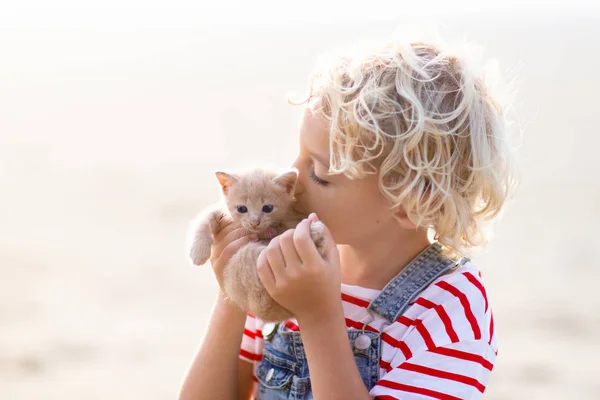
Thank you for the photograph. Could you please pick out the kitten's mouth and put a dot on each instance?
(268, 233)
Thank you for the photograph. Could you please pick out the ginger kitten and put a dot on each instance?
(260, 201)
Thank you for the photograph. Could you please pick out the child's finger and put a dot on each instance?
(225, 224)
(275, 259)
(264, 271)
(286, 243)
(230, 249)
(304, 244)
(222, 242)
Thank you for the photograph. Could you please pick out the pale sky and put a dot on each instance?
(120, 15)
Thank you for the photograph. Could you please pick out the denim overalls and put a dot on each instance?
(283, 371)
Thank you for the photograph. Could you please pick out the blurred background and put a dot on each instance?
(115, 114)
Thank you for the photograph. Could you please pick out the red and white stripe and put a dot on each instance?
(443, 346)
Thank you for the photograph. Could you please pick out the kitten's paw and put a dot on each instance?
(200, 253)
(317, 233)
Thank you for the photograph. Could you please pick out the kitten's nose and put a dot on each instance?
(254, 224)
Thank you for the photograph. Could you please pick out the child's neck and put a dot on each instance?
(374, 263)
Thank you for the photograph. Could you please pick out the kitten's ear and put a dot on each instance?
(226, 180)
(287, 180)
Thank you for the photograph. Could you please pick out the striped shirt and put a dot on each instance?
(442, 347)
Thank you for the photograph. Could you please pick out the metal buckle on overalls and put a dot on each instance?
(269, 329)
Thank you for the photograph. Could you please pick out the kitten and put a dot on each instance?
(262, 202)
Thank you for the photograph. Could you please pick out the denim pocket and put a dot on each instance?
(275, 372)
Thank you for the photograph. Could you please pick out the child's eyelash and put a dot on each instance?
(318, 180)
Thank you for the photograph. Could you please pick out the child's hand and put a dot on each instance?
(296, 275)
(229, 240)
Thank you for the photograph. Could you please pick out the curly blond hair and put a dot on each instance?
(418, 116)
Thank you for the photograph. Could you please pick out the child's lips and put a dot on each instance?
(302, 213)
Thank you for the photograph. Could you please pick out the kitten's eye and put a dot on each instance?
(267, 208)
(242, 209)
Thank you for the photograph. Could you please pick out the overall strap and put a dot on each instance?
(414, 278)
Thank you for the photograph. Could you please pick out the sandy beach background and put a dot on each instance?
(112, 123)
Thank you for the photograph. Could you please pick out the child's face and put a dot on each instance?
(353, 210)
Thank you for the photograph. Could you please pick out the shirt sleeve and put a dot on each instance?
(251, 349)
(456, 371)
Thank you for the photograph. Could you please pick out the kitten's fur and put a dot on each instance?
(253, 190)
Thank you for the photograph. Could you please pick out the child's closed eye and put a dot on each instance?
(318, 180)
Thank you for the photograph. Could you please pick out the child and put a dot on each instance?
(394, 141)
